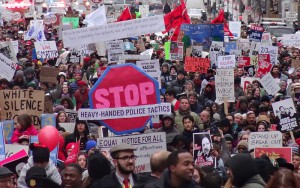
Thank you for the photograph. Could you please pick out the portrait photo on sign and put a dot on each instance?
(286, 113)
(202, 148)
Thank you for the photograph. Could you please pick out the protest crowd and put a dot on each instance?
(147, 102)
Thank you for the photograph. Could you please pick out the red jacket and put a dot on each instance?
(31, 131)
(81, 98)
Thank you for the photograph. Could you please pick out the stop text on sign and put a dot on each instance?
(132, 94)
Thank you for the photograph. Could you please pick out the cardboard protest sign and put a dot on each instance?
(266, 39)
(201, 150)
(146, 145)
(243, 61)
(291, 40)
(249, 70)
(224, 80)
(114, 31)
(49, 74)
(197, 51)
(194, 64)
(274, 153)
(265, 139)
(115, 51)
(17, 102)
(285, 110)
(269, 84)
(176, 51)
(7, 50)
(256, 33)
(235, 28)
(72, 115)
(264, 65)
(2, 143)
(8, 67)
(227, 61)
(8, 128)
(73, 20)
(46, 49)
(201, 34)
(272, 50)
(152, 68)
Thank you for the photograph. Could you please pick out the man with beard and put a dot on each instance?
(180, 172)
(184, 109)
(124, 161)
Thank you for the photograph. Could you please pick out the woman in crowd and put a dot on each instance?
(61, 117)
(81, 132)
(23, 128)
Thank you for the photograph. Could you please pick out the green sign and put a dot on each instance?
(73, 20)
(167, 50)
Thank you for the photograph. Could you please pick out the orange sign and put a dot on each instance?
(194, 64)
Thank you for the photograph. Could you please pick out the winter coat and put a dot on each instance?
(51, 172)
(30, 131)
(179, 117)
(165, 182)
(254, 182)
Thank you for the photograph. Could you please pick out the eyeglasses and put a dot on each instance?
(127, 158)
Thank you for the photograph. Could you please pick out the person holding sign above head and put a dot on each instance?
(23, 128)
(124, 160)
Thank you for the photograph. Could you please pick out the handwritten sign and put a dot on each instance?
(265, 139)
(224, 80)
(272, 50)
(114, 31)
(270, 85)
(146, 145)
(194, 64)
(227, 61)
(17, 102)
(49, 74)
(7, 68)
(46, 49)
(292, 40)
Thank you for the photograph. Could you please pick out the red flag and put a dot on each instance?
(126, 15)
(175, 18)
(221, 20)
(72, 158)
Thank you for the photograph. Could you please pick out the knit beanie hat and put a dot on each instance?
(40, 153)
(19, 73)
(90, 144)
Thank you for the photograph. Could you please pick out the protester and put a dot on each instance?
(36, 177)
(24, 128)
(6, 178)
(71, 176)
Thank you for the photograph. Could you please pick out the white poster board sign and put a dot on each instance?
(152, 68)
(224, 80)
(7, 67)
(227, 61)
(235, 28)
(146, 145)
(115, 51)
(269, 83)
(46, 49)
(265, 139)
(272, 50)
(113, 31)
(144, 10)
(292, 40)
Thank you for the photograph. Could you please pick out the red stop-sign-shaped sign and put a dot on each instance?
(124, 86)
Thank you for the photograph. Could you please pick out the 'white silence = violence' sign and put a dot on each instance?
(113, 31)
(146, 145)
(124, 112)
(224, 80)
(46, 49)
(265, 139)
